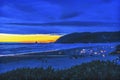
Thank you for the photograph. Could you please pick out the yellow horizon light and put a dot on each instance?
(28, 38)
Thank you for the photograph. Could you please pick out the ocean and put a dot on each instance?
(101, 50)
(18, 48)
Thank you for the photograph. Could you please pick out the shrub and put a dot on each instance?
(96, 70)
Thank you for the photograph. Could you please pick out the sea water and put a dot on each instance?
(56, 63)
(18, 48)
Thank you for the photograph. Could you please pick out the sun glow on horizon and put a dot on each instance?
(28, 38)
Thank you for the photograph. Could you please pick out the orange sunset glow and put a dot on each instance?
(28, 38)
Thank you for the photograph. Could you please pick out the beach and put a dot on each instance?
(58, 59)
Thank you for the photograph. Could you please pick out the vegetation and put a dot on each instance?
(96, 37)
(96, 70)
(117, 50)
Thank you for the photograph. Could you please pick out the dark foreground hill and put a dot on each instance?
(96, 70)
(97, 37)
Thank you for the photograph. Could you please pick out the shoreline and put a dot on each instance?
(38, 55)
(72, 53)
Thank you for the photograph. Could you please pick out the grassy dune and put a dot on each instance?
(96, 70)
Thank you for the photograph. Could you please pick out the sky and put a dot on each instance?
(56, 18)
(39, 38)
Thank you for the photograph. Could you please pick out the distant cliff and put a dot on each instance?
(97, 37)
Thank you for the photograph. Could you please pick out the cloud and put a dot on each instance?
(58, 10)
(56, 16)
(67, 23)
(58, 29)
(30, 11)
(22, 29)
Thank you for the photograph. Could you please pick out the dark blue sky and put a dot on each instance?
(58, 16)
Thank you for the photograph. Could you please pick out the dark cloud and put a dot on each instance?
(20, 29)
(61, 13)
(107, 1)
(43, 9)
(52, 10)
(67, 23)
(70, 15)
